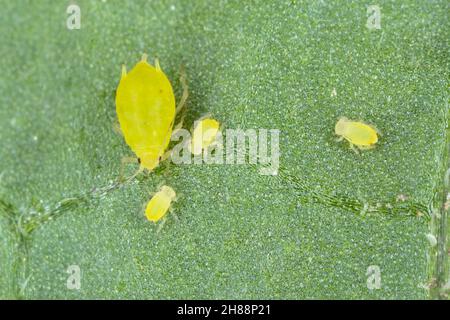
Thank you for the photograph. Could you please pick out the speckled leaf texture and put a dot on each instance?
(296, 66)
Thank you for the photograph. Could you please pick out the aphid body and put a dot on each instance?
(160, 203)
(357, 133)
(145, 106)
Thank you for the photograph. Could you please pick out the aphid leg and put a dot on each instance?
(129, 160)
(185, 94)
(178, 126)
(340, 139)
(117, 129)
(354, 148)
(143, 208)
(176, 129)
(144, 57)
(161, 225)
(126, 160)
(172, 212)
(166, 155)
(367, 147)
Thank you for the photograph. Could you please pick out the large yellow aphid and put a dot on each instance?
(357, 133)
(145, 106)
(159, 204)
(204, 135)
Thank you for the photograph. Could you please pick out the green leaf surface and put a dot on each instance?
(251, 64)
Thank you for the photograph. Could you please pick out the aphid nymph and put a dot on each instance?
(204, 135)
(357, 133)
(159, 204)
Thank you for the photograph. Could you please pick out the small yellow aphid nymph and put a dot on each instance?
(159, 204)
(357, 133)
(204, 135)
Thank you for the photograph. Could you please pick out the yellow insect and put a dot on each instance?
(159, 204)
(145, 106)
(204, 135)
(357, 133)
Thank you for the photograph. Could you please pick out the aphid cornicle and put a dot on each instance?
(145, 106)
(159, 204)
(357, 133)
